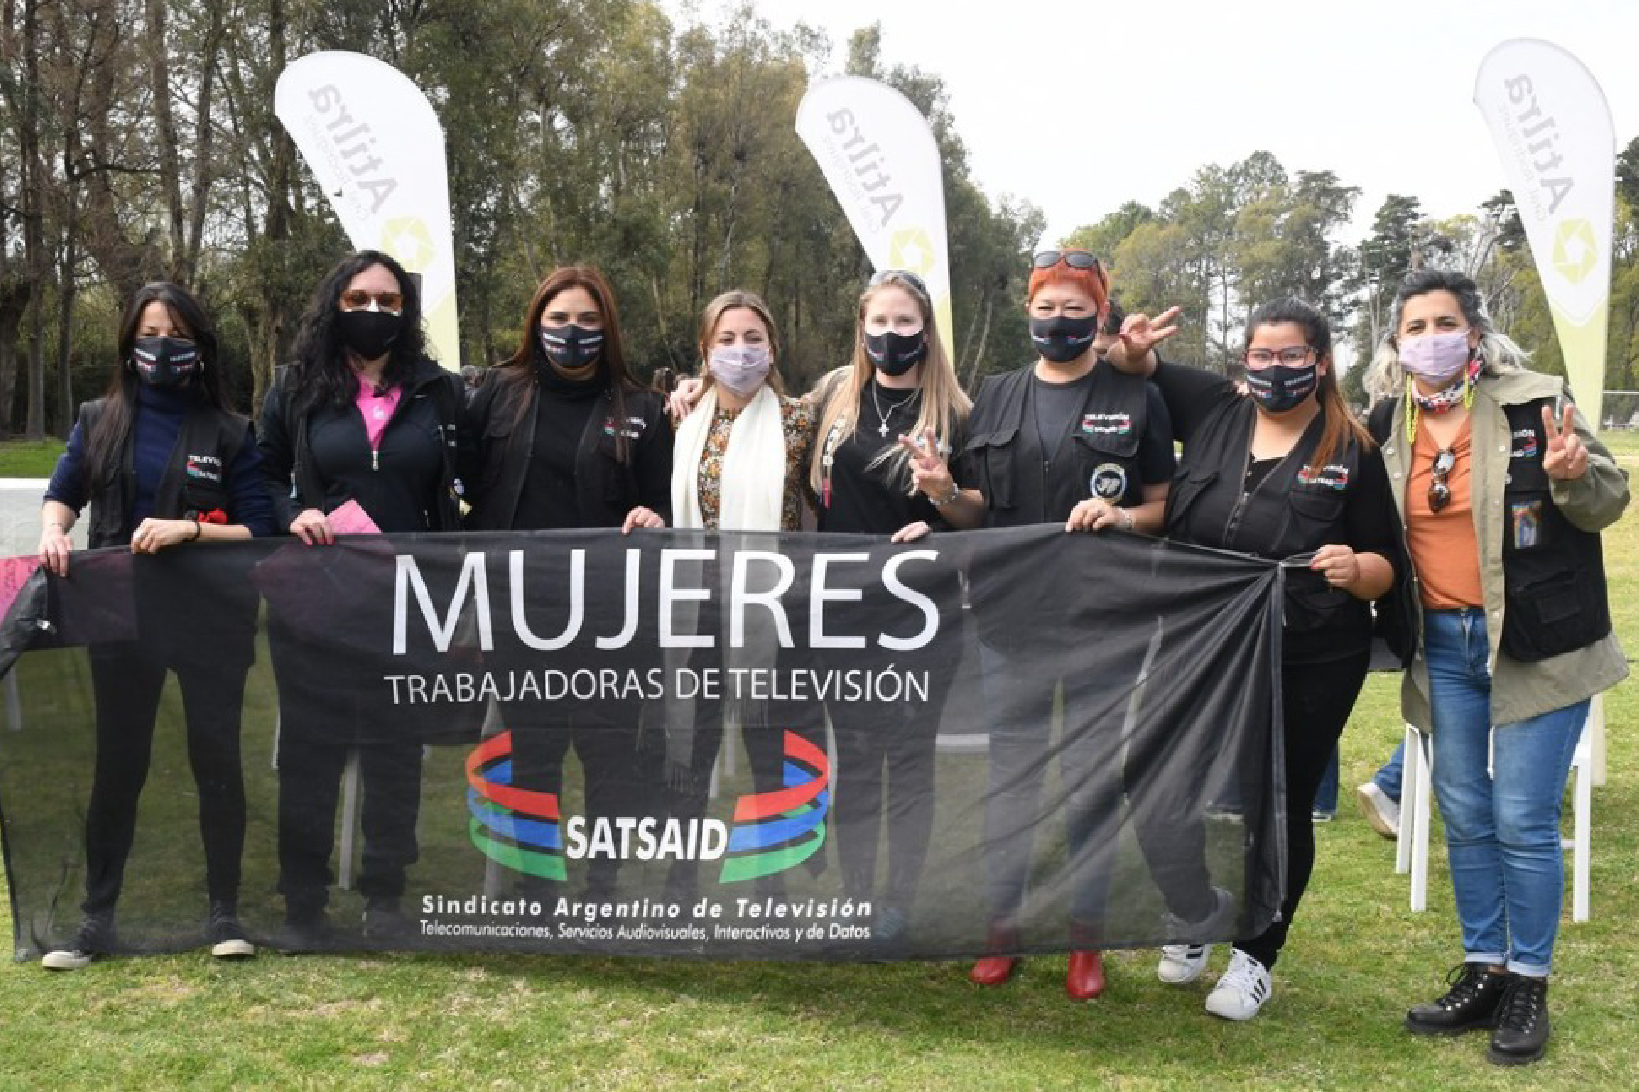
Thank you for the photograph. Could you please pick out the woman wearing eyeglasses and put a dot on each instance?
(163, 461)
(1282, 470)
(1068, 440)
(899, 394)
(364, 416)
(1504, 491)
(568, 439)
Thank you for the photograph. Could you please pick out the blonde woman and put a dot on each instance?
(899, 395)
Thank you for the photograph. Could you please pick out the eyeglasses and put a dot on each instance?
(357, 299)
(1439, 492)
(1075, 259)
(1292, 354)
(891, 276)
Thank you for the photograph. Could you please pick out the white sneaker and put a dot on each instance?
(1242, 990)
(1181, 963)
(66, 959)
(1382, 813)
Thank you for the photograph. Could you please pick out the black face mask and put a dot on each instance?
(1281, 387)
(571, 347)
(1061, 338)
(369, 333)
(164, 362)
(895, 353)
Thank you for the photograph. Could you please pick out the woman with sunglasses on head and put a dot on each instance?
(163, 461)
(899, 392)
(740, 463)
(362, 416)
(1504, 490)
(1066, 440)
(1282, 470)
(568, 439)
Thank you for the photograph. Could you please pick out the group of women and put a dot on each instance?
(1478, 498)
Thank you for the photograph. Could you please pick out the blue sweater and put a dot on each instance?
(158, 423)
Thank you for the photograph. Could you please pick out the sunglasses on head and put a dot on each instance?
(1075, 259)
(1439, 492)
(890, 276)
(357, 299)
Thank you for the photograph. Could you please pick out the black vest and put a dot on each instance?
(1553, 572)
(1024, 485)
(194, 482)
(1294, 510)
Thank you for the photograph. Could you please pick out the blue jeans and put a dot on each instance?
(1389, 775)
(1502, 824)
(1326, 793)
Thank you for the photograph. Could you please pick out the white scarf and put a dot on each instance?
(751, 484)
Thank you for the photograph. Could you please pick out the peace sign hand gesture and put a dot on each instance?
(1139, 335)
(929, 473)
(1566, 457)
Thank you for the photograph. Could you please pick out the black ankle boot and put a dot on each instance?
(1522, 1023)
(1471, 1002)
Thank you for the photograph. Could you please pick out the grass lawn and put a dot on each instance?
(1356, 960)
(29, 458)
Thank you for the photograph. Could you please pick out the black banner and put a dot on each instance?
(729, 745)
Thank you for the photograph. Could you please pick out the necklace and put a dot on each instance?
(882, 428)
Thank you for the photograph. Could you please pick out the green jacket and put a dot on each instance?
(1591, 502)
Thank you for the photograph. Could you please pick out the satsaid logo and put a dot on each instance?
(525, 830)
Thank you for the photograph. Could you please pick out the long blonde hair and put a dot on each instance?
(713, 314)
(944, 404)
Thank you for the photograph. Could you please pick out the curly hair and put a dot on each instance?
(322, 374)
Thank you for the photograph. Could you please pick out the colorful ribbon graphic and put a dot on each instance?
(525, 819)
(775, 830)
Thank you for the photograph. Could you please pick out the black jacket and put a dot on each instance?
(413, 484)
(1293, 511)
(1002, 459)
(605, 489)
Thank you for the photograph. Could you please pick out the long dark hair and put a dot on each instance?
(1340, 427)
(518, 370)
(322, 373)
(106, 445)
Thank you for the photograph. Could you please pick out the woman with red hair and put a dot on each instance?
(1065, 439)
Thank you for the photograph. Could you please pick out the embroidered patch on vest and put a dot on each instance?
(1332, 476)
(1108, 482)
(1107, 424)
(204, 467)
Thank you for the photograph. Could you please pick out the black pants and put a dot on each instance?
(1316, 702)
(762, 728)
(889, 749)
(126, 681)
(322, 717)
(621, 773)
(310, 773)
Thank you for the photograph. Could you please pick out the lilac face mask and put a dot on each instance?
(1436, 359)
(739, 368)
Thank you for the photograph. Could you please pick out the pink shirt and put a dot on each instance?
(376, 409)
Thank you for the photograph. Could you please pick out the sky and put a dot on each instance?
(1081, 105)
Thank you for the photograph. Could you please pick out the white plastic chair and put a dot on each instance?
(1415, 800)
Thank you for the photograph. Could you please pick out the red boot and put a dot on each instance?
(1085, 979)
(994, 970)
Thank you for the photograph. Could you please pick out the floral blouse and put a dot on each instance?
(797, 422)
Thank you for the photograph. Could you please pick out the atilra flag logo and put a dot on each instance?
(911, 250)
(407, 239)
(1575, 250)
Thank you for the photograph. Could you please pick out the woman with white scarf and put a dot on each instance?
(740, 464)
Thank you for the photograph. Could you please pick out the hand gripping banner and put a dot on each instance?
(670, 743)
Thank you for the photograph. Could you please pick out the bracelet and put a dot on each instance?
(940, 502)
(195, 532)
(1126, 519)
